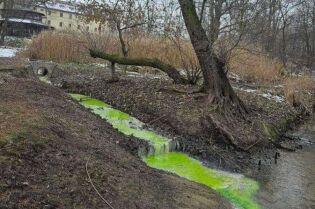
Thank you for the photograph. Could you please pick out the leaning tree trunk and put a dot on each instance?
(170, 70)
(216, 83)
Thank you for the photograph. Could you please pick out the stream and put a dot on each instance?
(237, 188)
(288, 184)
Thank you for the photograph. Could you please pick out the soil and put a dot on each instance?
(196, 125)
(47, 140)
(49, 144)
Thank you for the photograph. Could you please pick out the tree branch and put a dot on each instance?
(170, 70)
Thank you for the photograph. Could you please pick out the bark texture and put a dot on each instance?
(216, 83)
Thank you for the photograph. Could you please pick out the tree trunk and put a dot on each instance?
(122, 41)
(114, 76)
(3, 30)
(155, 63)
(216, 83)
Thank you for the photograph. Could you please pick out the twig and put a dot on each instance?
(255, 143)
(279, 146)
(87, 172)
(156, 119)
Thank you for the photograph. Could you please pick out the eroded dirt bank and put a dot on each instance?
(46, 140)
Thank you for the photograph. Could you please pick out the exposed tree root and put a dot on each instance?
(279, 146)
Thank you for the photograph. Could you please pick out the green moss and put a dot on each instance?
(269, 130)
(237, 188)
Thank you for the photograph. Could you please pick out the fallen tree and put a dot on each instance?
(170, 70)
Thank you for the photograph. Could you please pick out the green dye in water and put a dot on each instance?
(239, 189)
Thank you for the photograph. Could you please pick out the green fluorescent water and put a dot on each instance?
(237, 188)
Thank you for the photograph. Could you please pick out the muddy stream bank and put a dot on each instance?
(287, 183)
(290, 183)
(163, 155)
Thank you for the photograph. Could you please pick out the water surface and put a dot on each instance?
(238, 189)
(290, 184)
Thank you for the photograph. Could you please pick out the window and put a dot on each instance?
(61, 14)
(49, 12)
(79, 27)
(60, 24)
(70, 25)
(42, 10)
(49, 22)
(70, 16)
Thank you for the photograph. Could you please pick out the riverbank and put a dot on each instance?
(50, 145)
(181, 116)
(289, 183)
(160, 104)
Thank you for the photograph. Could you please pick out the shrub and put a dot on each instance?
(299, 89)
(255, 66)
(57, 46)
(67, 46)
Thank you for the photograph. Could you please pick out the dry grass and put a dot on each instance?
(14, 115)
(255, 66)
(71, 47)
(164, 49)
(66, 46)
(299, 89)
(57, 46)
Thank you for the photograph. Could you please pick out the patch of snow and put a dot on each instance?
(60, 7)
(234, 76)
(8, 52)
(246, 90)
(25, 21)
(134, 74)
(100, 65)
(279, 86)
(276, 98)
(249, 90)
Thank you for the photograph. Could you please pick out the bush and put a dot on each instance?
(57, 46)
(255, 66)
(299, 89)
(67, 46)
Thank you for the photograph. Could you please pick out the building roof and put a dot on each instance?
(25, 10)
(61, 6)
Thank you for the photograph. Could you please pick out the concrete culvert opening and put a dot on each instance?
(42, 72)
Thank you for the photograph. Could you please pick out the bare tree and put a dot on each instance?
(7, 5)
(216, 83)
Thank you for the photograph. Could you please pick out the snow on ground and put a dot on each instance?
(24, 21)
(269, 96)
(8, 52)
(276, 98)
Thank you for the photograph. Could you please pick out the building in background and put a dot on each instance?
(64, 15)
(21, 20)
(24, 18)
